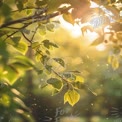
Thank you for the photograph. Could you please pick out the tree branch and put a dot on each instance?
(35, 18)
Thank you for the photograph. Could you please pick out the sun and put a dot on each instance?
(74, 30)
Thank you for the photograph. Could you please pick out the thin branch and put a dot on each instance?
(60, 76)
(23, 19)
(9, 36)
(35, 17)
(13, 28)
(34, 33)
(26, 37)
(25, 9)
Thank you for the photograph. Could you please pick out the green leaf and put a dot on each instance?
(60, 61)
(72, 97)
(38, 57)
(21, 66)
(26, 31)
(19, 4)
(40, 72)
(35, 45)
(50, 27)
(5, 10)
(68, 17)
(56, 83)
(16, 39)
(5, 100)
(41, 3)
(42, 30)
(3, 50)
(47, 52)
(49, 44)
(49, 68)
(44, 59)
(55, 92)
(29, 11)
(98, 41)
(24, 60)
(11, 74)
(46, 43)
(22, 47)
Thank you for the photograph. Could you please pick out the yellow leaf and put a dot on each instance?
(80, 79)
(115, 63)
(5, 100)
(110, 58)
(68, 17)
(72, 97)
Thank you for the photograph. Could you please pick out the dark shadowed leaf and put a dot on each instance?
(60, 61)
(49, 44)
(22, 47)
(56, 83)
(49, 68)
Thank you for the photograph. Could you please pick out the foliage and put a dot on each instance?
(24, 46)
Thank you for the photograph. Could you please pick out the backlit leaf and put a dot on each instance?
(85, 28)
(22, 47)
(68, 17)
(110, 58)
(42, 30)
(21, 66)
(79, 79)
(11, 74)
(97, 41)
(115, 63)
(24, 60)
(5, 100)
(72, 97)
(50, 27)
(55, 92)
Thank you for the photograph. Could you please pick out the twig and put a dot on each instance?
(34, 33)
(9, 36)
(13, 28)
(60, 76)
(26, 37)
